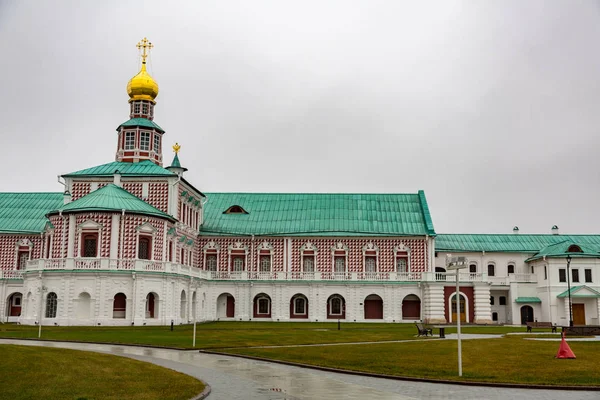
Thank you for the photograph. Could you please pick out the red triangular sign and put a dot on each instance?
(564, 351)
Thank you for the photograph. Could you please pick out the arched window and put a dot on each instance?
(574, 249)
(299, 306)
(183, 306)
(119, 305)
(51, 305)
(491, 270)
(262, 306)
(511, 268)
(336, 307)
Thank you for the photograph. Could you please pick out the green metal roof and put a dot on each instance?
(26, 212)
(141, 122)
(142, 168)
(112, 198)
(528, 300)
(318, 214)
(514, 243)
(561, 250)
(581, 291)
(176, 163)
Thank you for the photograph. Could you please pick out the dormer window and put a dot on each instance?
(235, 209)
(145, 141)
(574, 249)
(130, 140)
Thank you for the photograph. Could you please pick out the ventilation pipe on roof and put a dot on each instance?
(516, 230)
(555, 230)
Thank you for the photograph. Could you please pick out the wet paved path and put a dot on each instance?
(236, 378)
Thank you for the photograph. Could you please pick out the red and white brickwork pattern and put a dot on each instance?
(252, 264)
(418, 253)
(158, 195)
(79, 189)
(135, 188)
(57, 237)
(131, 235)
(103, 219)
(8, 249)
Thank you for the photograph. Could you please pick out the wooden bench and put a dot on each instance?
(536, 325)
(423, 330)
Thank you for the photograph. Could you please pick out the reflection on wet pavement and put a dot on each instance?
(237, 378)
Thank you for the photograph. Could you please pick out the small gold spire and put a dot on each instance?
(176, 147)
(145, 46)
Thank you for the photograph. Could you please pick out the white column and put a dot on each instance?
(483, 309)
(115, 226)
(71, 239)
(433, 308)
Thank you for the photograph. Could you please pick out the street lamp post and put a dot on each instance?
(569, 290)
(457, 263)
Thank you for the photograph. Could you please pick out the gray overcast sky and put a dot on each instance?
(491, 107)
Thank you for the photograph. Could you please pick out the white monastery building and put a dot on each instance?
(132, 242)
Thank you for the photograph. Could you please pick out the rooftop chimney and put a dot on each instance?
(66, 197)
(555, 230)
(516, 230)
(117, 178)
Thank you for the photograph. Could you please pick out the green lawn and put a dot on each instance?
(49, 373)
(233, 334)
(510, 360)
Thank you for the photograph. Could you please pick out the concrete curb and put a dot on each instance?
(409, 378)
(204, 394)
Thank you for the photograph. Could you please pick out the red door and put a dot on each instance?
(230, 307)
(373, 309)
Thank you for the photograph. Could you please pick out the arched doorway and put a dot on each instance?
(299, 306)
(225, 306)
(15, 304)
(262, 306)
(152, 305)
(336, 307)
(83, 305)
(373, 307)
(462, 308)
(526, 314)
(119, 306)
(411, 307)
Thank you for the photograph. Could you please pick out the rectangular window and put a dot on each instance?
(299, 306)
(144, 108)
(90, 245)
(545, 272)
(22, 259)
(265, 263)
(144, 248)
(340, 264)
(136, 108)
(562, 275)
(308, 264)
(401, 264)
(575, 275)
(588, 275)
(156, 143)
(502, 300)
(336, 306)
(473, 268)
(129, 140)
(237, 263)
(145, 141)
(263, 306)
(491, 300)
(511, 269)
(211, 262)
(370, 264)
(491, 270)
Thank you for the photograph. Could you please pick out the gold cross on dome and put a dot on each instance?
(176, 148)
(145, 46)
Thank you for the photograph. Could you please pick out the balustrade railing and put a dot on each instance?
(101, 264)
(12, 274)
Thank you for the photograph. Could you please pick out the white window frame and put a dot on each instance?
(258, 300)
(234, 250)
(368, 251)
(149, 231)
(129, 143)
(304, 308)
(330, 305)
(308, 246)
(335, 250)
(209, 249)
(261, 251)
(145, 140)
(156, 143)
(137, 108)
(402, 252)
(86, 227)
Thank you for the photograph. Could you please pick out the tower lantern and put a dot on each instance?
(140, 138)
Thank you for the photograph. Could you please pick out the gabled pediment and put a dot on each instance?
(89, 224)
(146, 227)
(582, 291)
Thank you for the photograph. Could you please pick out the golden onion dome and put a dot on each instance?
(142, 86)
